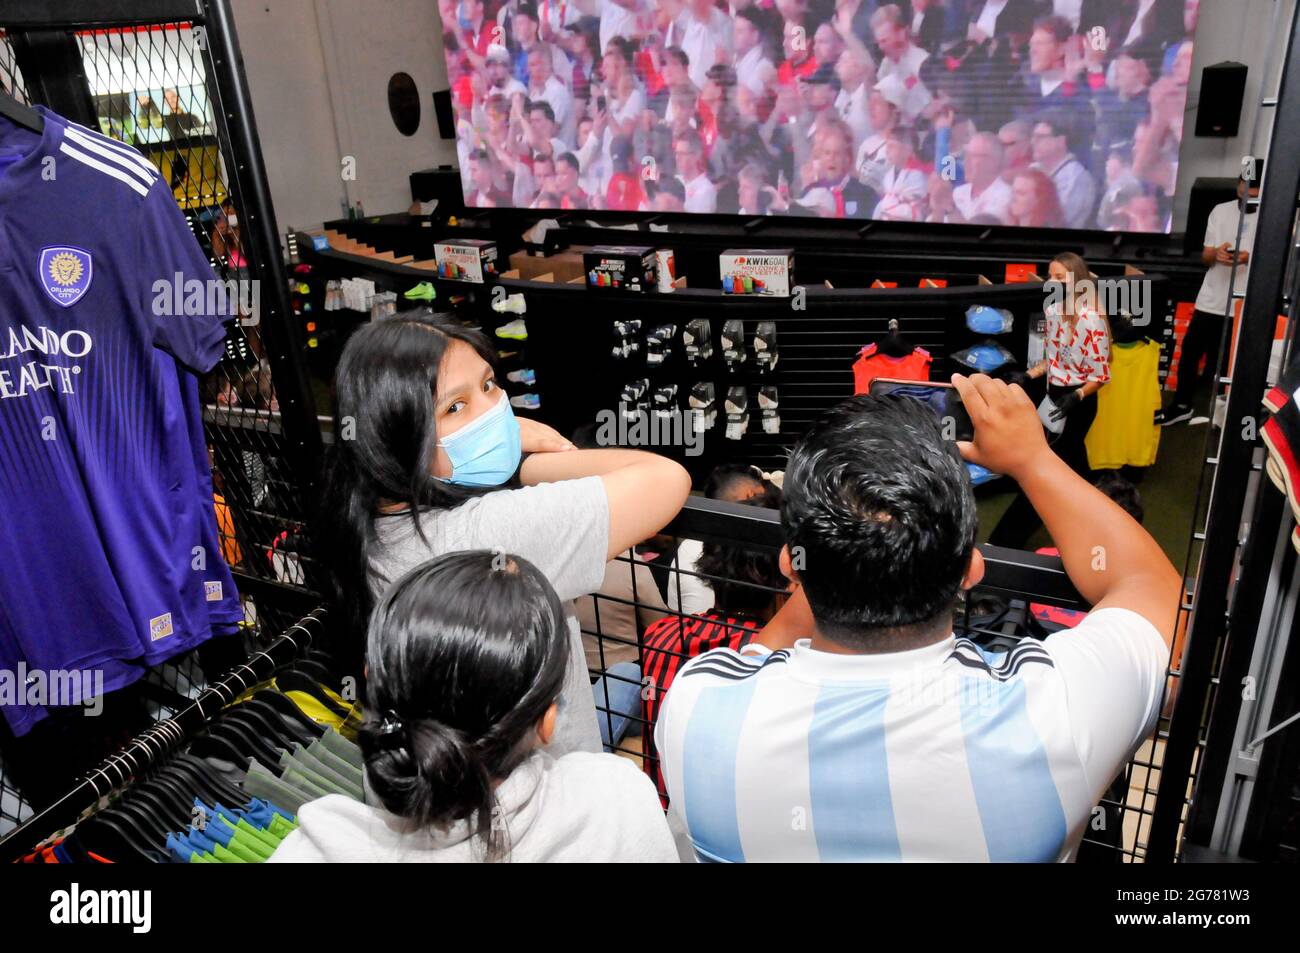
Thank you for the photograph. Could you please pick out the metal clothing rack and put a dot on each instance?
(153, 745)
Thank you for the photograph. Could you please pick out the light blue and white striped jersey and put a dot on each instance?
(943, 753)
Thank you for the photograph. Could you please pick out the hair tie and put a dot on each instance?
(389, 727)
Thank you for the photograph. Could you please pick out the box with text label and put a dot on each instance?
(466, 259)
(627, 267)
(753, 271)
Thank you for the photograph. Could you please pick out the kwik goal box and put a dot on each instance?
(755, 271)
(466, 259)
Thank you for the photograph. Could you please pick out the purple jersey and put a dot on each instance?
(109, 557)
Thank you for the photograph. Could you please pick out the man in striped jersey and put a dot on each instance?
(857, 727)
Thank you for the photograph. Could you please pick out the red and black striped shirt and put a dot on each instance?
(669, 644)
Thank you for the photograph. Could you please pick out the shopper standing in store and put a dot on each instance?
(1076, 366)
(1204, 333)
(429, 458)
(857, 726)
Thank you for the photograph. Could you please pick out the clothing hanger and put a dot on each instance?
(244, 739)
(287, 728)
(315, 670)
(141, 794)
(187, 784)
(105, 835)
(216, 787)
(20, 114)
(291, 681)
(258, 722)
(894, 345)
(218, 747)
(285, 707)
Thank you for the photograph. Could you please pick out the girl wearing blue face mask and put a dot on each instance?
(429, 459)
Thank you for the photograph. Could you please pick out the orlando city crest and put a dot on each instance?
(65, 273)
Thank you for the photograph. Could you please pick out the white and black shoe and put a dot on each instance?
(1175, 414)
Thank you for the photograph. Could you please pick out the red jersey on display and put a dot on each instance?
(872, 364)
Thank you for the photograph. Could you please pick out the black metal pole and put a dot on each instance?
(278, 329)
(1273, 240)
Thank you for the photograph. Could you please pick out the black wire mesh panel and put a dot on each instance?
(11, 77)
(153, 91)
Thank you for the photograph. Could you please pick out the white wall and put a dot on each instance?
(1238, 30)
(318, 73)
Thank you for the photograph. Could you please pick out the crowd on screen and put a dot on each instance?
(1043, 113)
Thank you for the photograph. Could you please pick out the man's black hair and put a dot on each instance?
(535, 105)
(880, 520)
(728, 479)
(744, 579)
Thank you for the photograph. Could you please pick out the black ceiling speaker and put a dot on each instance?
(1223, 87)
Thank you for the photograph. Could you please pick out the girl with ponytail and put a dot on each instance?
(466, 658)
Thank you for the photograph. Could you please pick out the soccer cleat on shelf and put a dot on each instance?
(424, 291)
(524, 376)
(516, 330)
(526, 401)
(514, 304)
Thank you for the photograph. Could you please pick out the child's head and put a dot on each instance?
(1124, 493)
(466, 658)
(900, 146)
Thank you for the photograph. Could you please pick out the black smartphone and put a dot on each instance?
(943, 399)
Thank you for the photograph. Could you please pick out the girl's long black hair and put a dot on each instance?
(465, 654)
(384, 442)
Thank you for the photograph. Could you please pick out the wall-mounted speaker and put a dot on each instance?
(446, 118)
(1223, 87)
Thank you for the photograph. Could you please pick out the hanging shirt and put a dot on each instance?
(108, 541)
(872, 364)
(1077, 353)
(948, 752)
(1125, 433)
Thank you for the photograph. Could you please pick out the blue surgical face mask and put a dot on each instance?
(486, 451)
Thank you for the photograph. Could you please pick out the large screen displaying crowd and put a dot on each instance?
(1040, 113)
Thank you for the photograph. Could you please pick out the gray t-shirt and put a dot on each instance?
(561, 528)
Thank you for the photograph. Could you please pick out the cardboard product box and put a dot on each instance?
(759, 271)
(666, 265)
(466, 259)
(626, 267)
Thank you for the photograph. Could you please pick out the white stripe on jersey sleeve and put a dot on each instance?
(773, 798)
(109, 170)
(112, 149)
(935, 811)
(670, 734)
(1046, 704)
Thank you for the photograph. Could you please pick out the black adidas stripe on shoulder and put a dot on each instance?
(726, 668)
(1026, 653)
